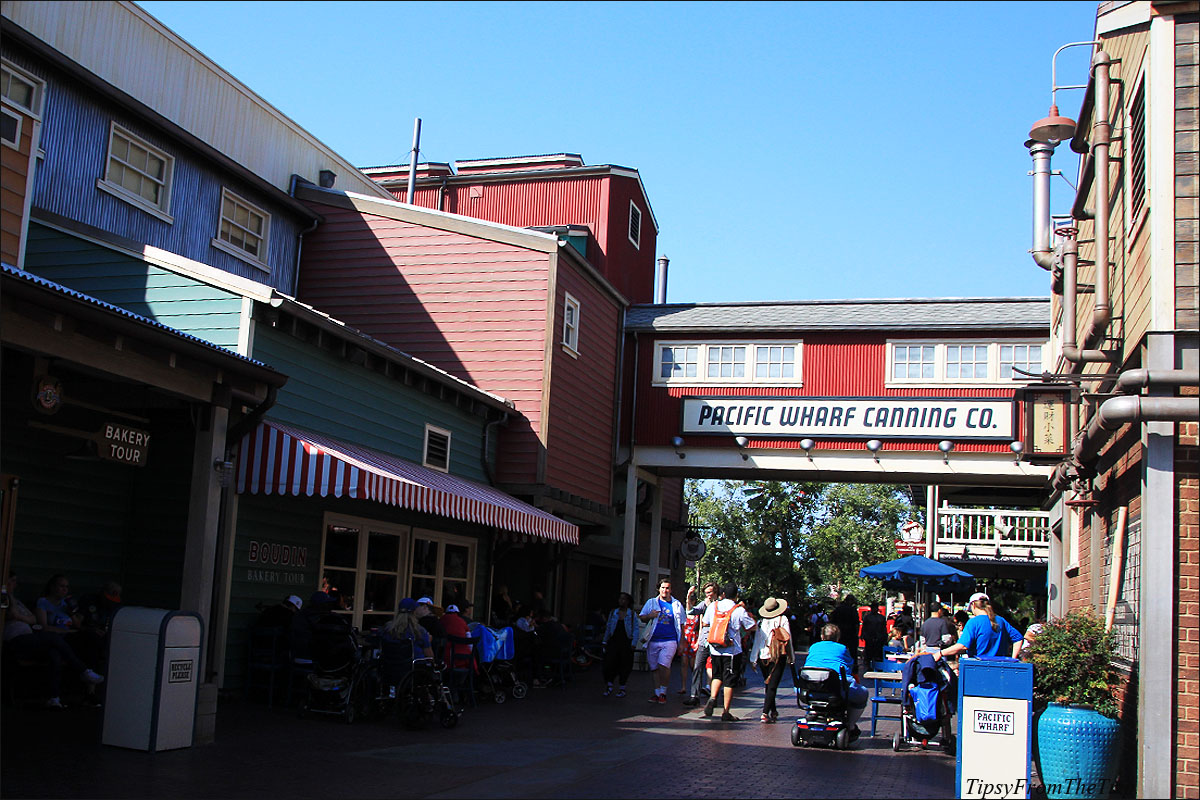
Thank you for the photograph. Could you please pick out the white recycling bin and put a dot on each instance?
(153, 679)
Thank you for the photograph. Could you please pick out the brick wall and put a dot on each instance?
(1187, 500)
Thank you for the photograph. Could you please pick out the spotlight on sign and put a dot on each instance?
(1018, 448)
(677, 442)
(807, 446)
(945, 445)
(742, 441)
(874, 445)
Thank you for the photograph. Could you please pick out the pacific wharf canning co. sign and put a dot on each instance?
(836, 417)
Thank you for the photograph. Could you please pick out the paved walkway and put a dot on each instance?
(556, 743)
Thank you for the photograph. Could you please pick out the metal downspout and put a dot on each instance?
(1101, 141)
(1124, 409)
(295, 287)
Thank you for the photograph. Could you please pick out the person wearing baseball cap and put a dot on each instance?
(456, 626)
(985, 634)
(430, 622)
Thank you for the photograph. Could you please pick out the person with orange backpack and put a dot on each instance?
(726, 620)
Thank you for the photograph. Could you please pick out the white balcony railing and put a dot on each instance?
(993, 534)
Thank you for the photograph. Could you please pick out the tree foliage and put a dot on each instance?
(796, 540)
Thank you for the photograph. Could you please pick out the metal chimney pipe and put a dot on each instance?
(1043, 254)
(660, 280)
(412, 162)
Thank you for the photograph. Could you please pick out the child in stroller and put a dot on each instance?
(927, 703)
(344, 679)
(497, 674)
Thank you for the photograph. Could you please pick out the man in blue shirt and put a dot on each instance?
(830, 653)
(667, 626)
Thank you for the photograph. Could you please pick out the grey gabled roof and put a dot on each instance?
(915, 314)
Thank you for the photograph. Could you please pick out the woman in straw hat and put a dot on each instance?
(773, 651)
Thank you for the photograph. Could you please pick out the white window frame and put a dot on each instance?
(425, 448)
(1000, 359)
(993, 378)
(259, 261)
(37, 84)
(747, 379)
(365, 528)
(633, 209)
(570, 332)
(15, 143)
(18, 111)
(439, 580)
(162, 210)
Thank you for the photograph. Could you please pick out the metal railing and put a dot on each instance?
(992, 533)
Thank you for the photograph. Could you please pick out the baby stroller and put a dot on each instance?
(497, 674)
(927, 704)
(413, 686)
(823, 697)
(344, 678)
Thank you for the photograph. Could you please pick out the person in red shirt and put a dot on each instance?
(455, 625)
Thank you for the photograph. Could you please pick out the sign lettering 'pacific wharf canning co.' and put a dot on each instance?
(835, 417)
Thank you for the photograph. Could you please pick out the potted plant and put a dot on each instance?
(1074, 683)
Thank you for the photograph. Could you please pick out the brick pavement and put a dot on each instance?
(556, 743)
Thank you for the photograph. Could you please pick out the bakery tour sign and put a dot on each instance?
(836, 417)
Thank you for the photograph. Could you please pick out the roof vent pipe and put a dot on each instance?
(660, 281)
(412, 162)
(1041, 152)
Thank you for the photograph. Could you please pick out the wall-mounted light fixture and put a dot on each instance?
(224, 470)
(742, 441)
(945, 445)
(1018, 448)
(677, 442)
(807, 446)
(874, 445)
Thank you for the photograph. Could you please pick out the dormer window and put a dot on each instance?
(635, 225)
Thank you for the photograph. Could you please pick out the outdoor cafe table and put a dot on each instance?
(879, 681)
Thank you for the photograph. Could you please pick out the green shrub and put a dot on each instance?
(1073, 663)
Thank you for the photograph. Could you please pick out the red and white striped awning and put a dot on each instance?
(278, 459)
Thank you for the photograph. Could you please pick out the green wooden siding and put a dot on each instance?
(181, 302)
(93, 520)
(331, 395)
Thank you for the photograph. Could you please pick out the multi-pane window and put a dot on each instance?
(679, 362)
(570, 337)
(21, 92)
(912, 361)
(966, 361)
(727, 361)
(138, 172)
(442, 567)
(362, 561)
(774, 361)
(1025, 357)
(244, 228)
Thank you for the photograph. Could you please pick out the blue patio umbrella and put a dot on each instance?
(920, 572)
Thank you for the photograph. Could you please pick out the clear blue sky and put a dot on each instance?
(790, 150)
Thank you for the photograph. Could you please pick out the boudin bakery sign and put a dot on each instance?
(833, 417)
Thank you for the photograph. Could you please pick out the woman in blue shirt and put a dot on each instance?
(985, 634)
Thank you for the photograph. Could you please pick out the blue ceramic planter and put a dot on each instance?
(1077, 751)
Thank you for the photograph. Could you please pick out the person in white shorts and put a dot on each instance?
(667, 626)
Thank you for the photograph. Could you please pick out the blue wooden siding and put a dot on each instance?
(181, 302)
(75, 138)
(329, 394)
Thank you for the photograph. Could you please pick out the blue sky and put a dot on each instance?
(791, 151)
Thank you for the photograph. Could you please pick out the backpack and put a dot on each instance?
(778, 643)
(718, 632)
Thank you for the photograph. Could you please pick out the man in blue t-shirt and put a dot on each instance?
(829, 653)
(667, 627)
